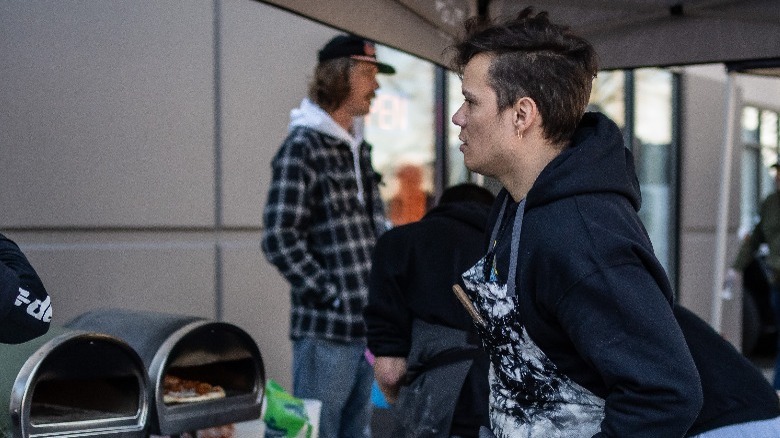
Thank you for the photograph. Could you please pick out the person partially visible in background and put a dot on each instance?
(410, 202)
(25, 306)
(321, 221)
(738, 400)
(428, 360)
(766, 231)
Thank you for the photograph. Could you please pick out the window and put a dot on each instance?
(456, 172)
(655, 156)
(750, 171)
(767, 132)
(400, 126)
(760, 149)
(608, 96)
(643, 104)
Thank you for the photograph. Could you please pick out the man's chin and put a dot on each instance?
(472, 167)
(475, 167)
(363, 112)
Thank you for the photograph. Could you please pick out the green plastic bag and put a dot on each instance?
(285, 415)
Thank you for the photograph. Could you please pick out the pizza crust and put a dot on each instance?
(176, 390)
(192, 398)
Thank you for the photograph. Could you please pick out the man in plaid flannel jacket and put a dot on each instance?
(322, 218)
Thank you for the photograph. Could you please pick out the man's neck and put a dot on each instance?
(519, 181)
(343, 118)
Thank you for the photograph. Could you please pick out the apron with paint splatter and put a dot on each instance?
(529, 397)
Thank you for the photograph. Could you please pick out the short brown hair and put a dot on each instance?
(532, 57)
(330, 86)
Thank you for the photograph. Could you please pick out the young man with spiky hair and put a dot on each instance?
(577, 310)
(576, 313)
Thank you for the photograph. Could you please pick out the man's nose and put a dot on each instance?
(457, 117)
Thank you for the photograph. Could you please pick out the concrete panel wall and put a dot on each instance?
(170, 277)
(132, 179)
(107, 115)
(696, 260)
(257, 299)
(267, 59)
(700, 172)
(135, 154)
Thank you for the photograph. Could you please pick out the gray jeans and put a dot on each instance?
(338, 375)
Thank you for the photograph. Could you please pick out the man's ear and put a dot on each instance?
(525, 114)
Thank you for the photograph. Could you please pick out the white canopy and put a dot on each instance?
(625, 33)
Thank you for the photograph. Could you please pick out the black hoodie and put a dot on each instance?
(25, 306)
(591, 295)
(414, 267)
(734, 390)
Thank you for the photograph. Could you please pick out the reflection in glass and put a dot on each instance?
(400, 125)
(766, 174)
(759, 152)
(653, 157)
(410, 201)
(653, 106)
(769, 129)
(608, 96)
(750, 125)
(457, 172)
(749, 198)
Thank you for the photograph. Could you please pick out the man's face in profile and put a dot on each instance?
(362, 88)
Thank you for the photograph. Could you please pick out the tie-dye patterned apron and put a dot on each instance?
(529, 397)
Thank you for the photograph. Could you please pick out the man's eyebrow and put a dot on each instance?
(467, 94)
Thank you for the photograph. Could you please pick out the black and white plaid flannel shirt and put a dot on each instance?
(320, 235)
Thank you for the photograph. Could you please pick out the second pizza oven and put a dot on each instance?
(193, 349)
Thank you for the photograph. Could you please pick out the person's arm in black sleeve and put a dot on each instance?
(623, 326)
(388, 317)
(25, 306)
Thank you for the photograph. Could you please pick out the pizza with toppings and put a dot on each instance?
(177, 390)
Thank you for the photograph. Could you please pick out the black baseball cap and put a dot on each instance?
(350, 46)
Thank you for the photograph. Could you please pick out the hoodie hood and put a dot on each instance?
(472, 213)
(596, 161)
(310, 115)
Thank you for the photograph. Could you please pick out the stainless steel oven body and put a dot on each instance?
(73, 383)
(192, 349)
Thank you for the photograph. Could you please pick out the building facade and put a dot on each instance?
(136, 140)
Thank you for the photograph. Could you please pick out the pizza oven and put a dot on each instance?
(221, 359)
(72, 383)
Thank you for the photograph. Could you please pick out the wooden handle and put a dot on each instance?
(464, 299)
